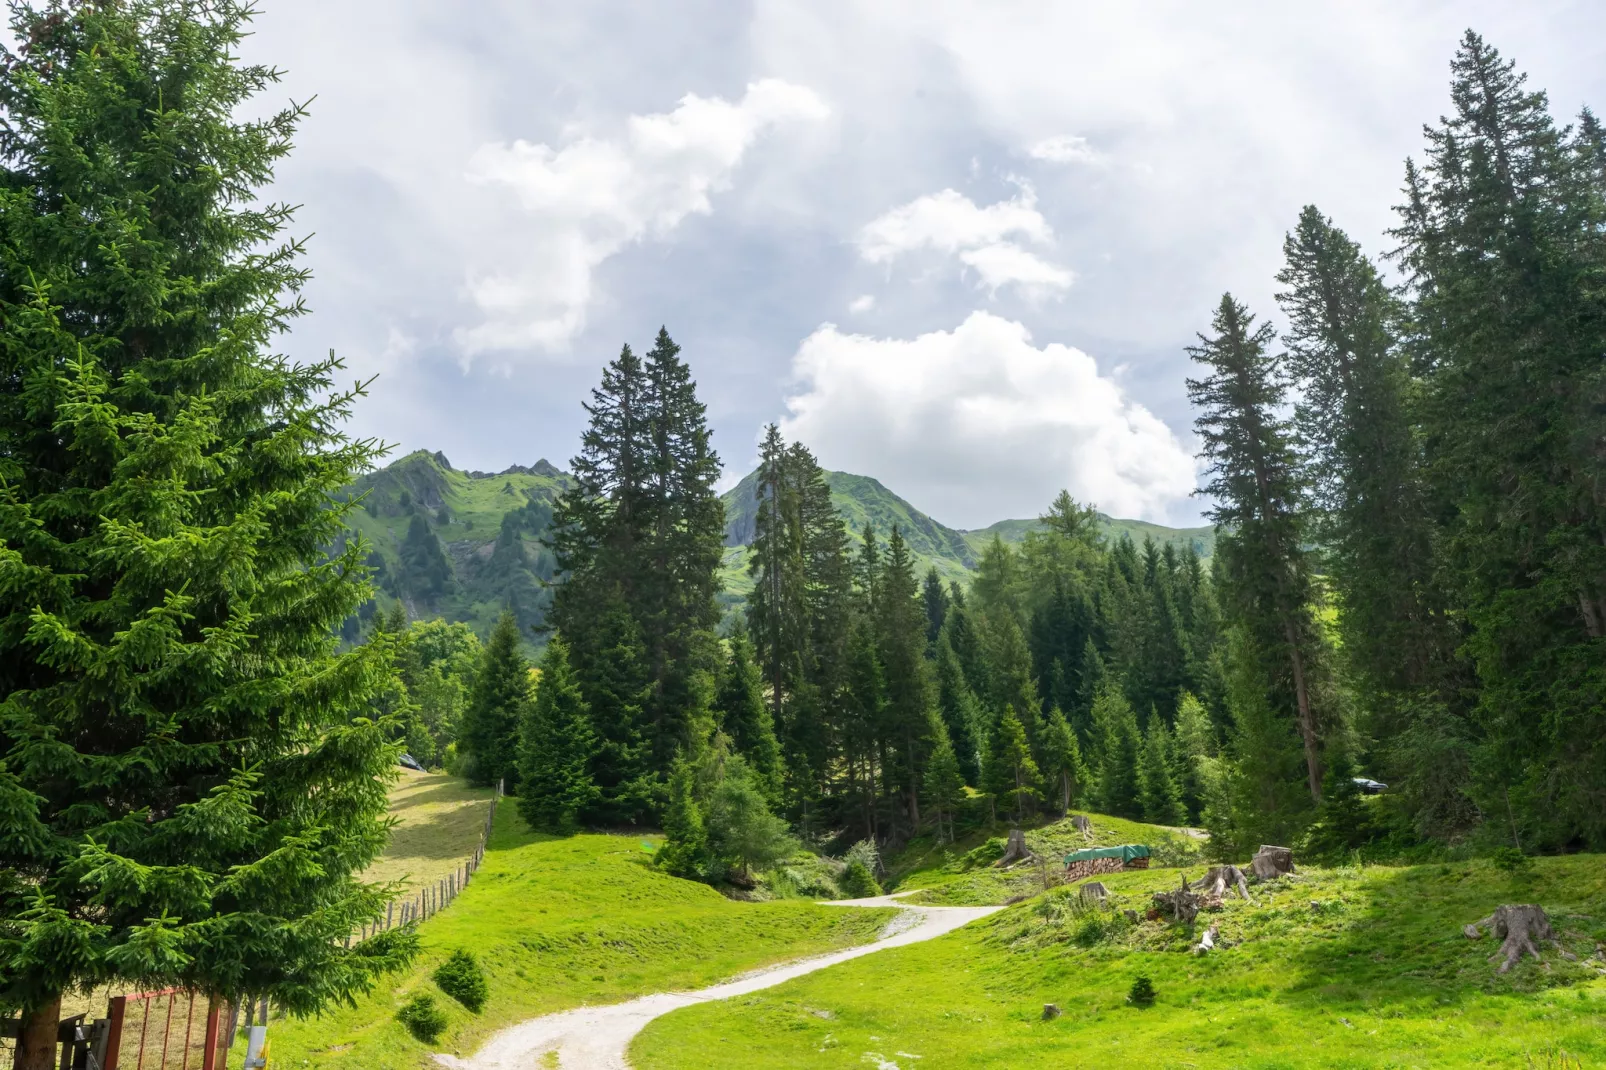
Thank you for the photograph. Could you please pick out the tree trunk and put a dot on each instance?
(1015, 850)
(36, 1044)
(1520, 930)
(1271, 862)
(1307, 721)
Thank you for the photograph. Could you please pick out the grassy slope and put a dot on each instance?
(943, 878)
(1334, 968)
(439, 820)
(560, 922)
(1203, 539)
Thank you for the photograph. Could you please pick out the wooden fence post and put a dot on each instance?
(209, 1055)
(114, 1032)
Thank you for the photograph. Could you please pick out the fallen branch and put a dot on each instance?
(1208, 941)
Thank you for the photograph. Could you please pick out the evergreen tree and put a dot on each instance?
(556, 746)
(1012, 775)
(491, 722)
(935, 598)
(744, 717)
(777, 608)
(945, 787)
(427, 573)
(960, 711)
(741, 830)
(900, 646)
(613, 680)
(1255, 481)
(1502, 241)
(1118, 747)
(1162, 801)
(1062, 760)
(1195, 749)
(192, 786)
(685, 831)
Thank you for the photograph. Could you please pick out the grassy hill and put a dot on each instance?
(861, 500)
(1346, 967)
(560, 922)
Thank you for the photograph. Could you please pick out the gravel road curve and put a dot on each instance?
(596, 1038)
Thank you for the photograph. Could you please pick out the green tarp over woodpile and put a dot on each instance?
(1126, 853)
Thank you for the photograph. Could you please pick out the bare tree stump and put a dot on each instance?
(1218, 879)
(1051, 1011)
(1519, 928)
(1182, 904)
(1082, 825)
(1095, 891)
(1015, 850)
(1271, 862)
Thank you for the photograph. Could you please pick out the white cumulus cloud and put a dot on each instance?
(586, 201)
(984, 239)
(979, 424)
(1066, 148)
(862, 303)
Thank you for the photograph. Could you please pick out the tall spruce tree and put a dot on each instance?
(901, 643)
(1502, 239)
(556, 745)
(744, 717)
(191, 786)
(1255, 481)
(776, 607)
(490, 733)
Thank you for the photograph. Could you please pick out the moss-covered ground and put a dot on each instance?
(1347, 967)
(561, 922)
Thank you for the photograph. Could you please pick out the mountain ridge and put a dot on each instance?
(463, 544)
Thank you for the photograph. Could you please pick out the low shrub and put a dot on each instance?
(423, 1019)
(858, 882)
(461, 978)
(1141, 994)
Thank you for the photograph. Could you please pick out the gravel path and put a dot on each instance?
(595, 1038)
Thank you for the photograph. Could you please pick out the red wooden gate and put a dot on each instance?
(170, 1029)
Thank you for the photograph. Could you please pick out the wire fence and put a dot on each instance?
(431, 899)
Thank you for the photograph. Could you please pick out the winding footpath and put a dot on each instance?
(596, 1038)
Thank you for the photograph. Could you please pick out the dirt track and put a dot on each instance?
(596, 1038)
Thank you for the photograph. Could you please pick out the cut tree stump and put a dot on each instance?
(1095, 891)
(1050, 1011)
(1015, 850)
(1082, 825)
(1519, 928)
(1271, 862)
(1182, 904)
(1218, 879)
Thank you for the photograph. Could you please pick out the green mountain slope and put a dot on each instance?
(458, 545)
(463, 545)
(861, 500)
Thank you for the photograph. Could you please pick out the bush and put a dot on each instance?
(985, 855)
(461, 978)
(1510, 859)
(423, 1019)
(858, 882)
(1141, 994)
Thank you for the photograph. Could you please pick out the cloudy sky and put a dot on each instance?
(956, 246)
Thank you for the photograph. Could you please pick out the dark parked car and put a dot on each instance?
(1370, 786)
(410, 762)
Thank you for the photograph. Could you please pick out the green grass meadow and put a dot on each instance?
(561, 922)
(1351, 967)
